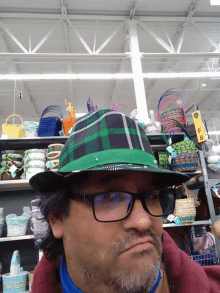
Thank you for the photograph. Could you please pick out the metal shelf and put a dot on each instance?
(156, 140)
(8, 185)
(29, 142)
(196, 223)
(5, 239)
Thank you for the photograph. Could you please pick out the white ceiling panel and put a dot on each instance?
(39, 17)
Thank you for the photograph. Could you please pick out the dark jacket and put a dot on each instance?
(184, 275)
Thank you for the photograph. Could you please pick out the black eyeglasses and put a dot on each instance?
(114, 206)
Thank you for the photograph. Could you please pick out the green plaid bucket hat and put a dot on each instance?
(105, 140)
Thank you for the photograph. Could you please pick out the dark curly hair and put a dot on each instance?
(57, 204)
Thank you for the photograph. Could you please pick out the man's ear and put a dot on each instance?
(57, 226)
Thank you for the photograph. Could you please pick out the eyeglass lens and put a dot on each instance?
(113, 206)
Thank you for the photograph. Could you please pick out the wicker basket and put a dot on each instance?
(171, 107)
(163, 160)
(14, 284)
(187, 157)
(16, 226)
(185, 208)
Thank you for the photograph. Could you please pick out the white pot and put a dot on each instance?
(33, 171)
(35, 154)
(36, 164)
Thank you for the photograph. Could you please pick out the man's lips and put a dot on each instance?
(143, 244)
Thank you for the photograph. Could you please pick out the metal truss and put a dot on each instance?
(130, 23)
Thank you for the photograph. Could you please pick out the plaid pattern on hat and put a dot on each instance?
(105, 140)
(102, 131)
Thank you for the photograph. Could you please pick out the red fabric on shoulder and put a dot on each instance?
(185, 274)
(45, 276)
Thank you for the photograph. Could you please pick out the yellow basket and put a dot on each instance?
(13, 130)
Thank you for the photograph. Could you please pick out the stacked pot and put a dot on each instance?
(11, 166)
(53, 156)
(34, 162)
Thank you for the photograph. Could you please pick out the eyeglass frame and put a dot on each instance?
(135, 196)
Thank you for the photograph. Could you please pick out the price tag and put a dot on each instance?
(170, 149)
(12, 169)
(13, 175)
(4, 136)
(200, 131)
(170, 218)
(174, 154)
(218, 163)
(179, 102)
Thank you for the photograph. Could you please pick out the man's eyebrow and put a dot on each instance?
(109, 177)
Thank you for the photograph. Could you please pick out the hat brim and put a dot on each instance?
(49, 181)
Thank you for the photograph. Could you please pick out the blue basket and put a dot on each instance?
(14, 284)
(50, 126)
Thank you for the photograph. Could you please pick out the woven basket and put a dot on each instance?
(14, 284)
(16, 226)
(13, 130)
(185, 208)
(171, 107)
(163, 160)
(186, 153)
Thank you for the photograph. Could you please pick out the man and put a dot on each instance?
(105, 208)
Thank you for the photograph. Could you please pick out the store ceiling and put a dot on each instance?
(95, 21)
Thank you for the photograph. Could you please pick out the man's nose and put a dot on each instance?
(138, 219)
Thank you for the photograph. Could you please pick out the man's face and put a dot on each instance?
(97, 254)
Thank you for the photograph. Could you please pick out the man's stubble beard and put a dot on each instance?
(103, 280)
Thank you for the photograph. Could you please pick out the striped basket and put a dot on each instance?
(163, 160)
(171, 106)
(14, 284)
(187, 157)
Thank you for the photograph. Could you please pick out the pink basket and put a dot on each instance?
(167, 111)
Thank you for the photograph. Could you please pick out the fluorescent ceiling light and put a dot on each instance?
(66, 76)
(109, 76)
(215, 2)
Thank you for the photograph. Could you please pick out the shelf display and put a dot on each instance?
(34, 162)
(16, 280)
(31, 128)
(11, 166)
(170, 108)
(2, 220)
(53, 154)
(17, 225)
(68, 123)
(50, 126)
(12, 130)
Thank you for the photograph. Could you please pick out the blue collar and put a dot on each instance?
(69, 287)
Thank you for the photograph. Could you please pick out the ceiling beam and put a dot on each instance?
(158, 39)
(64, 55)
(179, 36)
(159, 18)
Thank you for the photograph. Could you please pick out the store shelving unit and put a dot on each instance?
(5, 239)
(9, 191)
